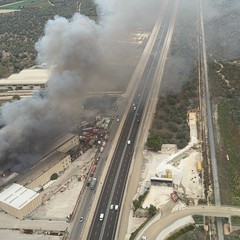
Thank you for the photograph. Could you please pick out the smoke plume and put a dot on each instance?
(77, 52)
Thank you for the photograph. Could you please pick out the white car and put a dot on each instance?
(101, 217)
(112, 206)
(116, 207)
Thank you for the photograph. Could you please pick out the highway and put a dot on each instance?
(153, 230)
(86, 199)
(208, 119)
(115, 181)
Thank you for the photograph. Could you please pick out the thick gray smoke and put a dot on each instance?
(77, 53)
(222, 20)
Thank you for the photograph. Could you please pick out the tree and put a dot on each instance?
(154, 142)
(152, 210)
(136, 204)
(54, 176)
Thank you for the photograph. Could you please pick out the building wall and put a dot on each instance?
(45, 177)
(69, 144)
(22, 86)
(27, 209)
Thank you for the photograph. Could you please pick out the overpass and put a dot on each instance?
(160, 223)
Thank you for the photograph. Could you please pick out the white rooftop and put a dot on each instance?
(28, 76)
(17, 196)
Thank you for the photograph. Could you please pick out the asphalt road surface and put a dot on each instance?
(114, 185)
(156, 227)
(210, 126)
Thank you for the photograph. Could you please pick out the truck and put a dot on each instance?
(174, 196)
(93, 183)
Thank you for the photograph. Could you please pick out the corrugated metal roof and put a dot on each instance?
(17, 196)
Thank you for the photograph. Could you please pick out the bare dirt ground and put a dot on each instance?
(62, 202)
(185, 176)
(9, 234)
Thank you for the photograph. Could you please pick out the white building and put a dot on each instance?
(32, 78)
(19, 201)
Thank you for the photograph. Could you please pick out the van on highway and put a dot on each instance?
(93, 183)
(101, 216)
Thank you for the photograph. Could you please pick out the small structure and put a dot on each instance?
(199, 166)
(168, 173)
(19, 201)
(169, 148)
(160, 181)
(226, 228)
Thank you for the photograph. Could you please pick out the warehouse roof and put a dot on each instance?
(35, 75)
(41, 167)
(59, 141)
(17, 196)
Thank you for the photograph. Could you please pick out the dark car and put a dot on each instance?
(81, 219)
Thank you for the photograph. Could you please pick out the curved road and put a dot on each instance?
(159, 224)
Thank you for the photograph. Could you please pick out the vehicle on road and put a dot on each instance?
(116, 207)
(81, 219)
(129, 142)
(89, 181)
(93, 183)
(101, 217)
(134, 108)
(118, 119)
(112, 206)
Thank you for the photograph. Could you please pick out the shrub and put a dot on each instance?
(54, 176)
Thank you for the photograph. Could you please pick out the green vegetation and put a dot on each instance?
(226, 85)
(20, 31)
(154, 142)
(137, 203)
(20, 4)
(170, 120)
(152, 210)
(181, 232)
(135, 233)
(198, 219)
(54, 176)
(235, 220)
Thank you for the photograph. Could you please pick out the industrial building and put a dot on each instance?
(19, 201)
(32, 78)
(67, 142)
(63, 144)
(41, 173)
